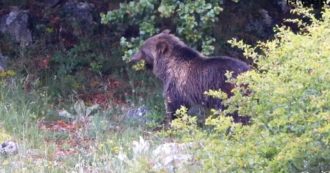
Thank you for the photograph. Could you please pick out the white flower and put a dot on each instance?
(122, 157)
(140, 147)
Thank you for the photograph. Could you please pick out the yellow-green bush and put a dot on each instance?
(289, 103)
(3, 135)
(9, 73)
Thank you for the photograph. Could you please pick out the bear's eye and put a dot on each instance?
(145, 54)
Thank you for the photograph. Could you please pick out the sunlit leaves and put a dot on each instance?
(193, 21)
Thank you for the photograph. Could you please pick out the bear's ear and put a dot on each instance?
(162, 47)
(166, 31)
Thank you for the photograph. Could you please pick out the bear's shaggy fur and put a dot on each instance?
(186, 74)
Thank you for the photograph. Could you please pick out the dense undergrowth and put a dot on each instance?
(287, 98)
(288, 101)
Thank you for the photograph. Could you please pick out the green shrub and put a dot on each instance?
(78, 57)
(193, 21)
(289, 102)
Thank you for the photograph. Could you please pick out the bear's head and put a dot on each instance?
(156, 47)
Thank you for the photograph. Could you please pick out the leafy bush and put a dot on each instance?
(191, 20)
(288, 101)
(5, 74)
(78, 57)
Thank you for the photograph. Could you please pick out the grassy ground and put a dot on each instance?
(79, 143)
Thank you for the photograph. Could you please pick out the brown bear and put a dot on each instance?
(186, 74)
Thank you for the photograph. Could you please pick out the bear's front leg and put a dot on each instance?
(172, 103)
(170, 108)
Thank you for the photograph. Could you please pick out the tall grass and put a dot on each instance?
(99, 140)
(18, 110)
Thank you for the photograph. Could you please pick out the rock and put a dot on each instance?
(3, 60)
(16, 25)
(52, 3)
(283, 4)
(168, 157)
(138, 114)
(266, 18)
(81, 11)
(8, 148)
(77, 21)
(171, 157)
(261, 26)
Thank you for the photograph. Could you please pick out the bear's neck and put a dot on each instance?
(176, 66)
(184, 53)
